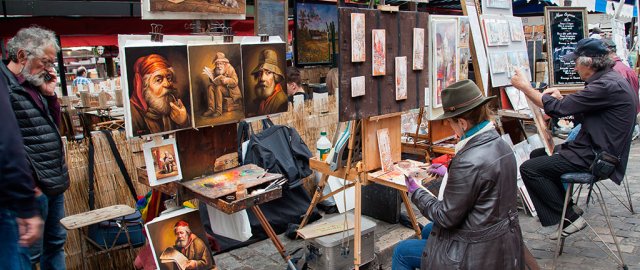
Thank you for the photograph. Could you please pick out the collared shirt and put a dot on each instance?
(81, 80)
(606, 107)
(628, 74)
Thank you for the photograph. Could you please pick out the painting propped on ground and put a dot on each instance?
(178, 241)
(216, 84)
(199, 6)
(316, 25)
(162, 161)
(264, 79)
(158, 83)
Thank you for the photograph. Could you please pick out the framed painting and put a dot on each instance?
(465, 32)
(499, 62)
(193, 9)
(357, 86)
(358, 53)
(162, 162)
(316, 26)
(517, 32)
(263, 66)
(178, 241)
(271, 18)
(215, 73)
(418, 48)
(158, 90)
(444, 55)
(564, 27)
(401, 77)
(378, 52)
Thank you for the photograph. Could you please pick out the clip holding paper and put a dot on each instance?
(264, 38)
(156, 32)
(227, 38)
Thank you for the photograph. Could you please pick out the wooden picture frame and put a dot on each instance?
(574, 22)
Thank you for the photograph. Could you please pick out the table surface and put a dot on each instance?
(96, 216)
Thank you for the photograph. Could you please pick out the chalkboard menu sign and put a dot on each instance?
(565, 26)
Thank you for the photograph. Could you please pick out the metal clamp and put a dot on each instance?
(156, 32)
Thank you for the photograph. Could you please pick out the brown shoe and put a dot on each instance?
(209, 113)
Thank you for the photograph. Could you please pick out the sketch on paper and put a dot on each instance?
(497, 32)
(465, 32)
(358, 53)
(445, 56)
(178, 241)
(216, 84)
(517, 32)
(499, 62)
(401, 78)
(502, 4)
(378, 50)
(162, 162)
(418, 48)
(158, 83)
(384, 146)
(517, 98)
(357, 86)
(465, 57)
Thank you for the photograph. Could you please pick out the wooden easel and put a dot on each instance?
(357, 174)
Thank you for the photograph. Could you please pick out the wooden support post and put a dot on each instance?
(412, 216)
(317, 196)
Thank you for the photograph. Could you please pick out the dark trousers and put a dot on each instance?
(541, 175)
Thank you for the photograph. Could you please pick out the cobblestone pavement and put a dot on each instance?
(580, 252)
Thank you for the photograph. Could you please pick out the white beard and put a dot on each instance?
(158, 104)
(262, 91)
(181, 243)
(37, 79)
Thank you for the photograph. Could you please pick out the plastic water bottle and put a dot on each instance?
(323, 146)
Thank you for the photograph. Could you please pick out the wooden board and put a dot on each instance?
(379, 98)
(225, 183)
(325, 228)
(199, 149)
(370, 150)
(96, 216)
(545, 135)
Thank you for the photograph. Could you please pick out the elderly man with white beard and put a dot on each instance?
(270, 98)
(192, 247)
(154, 105)
(31, 81)
(224, 83)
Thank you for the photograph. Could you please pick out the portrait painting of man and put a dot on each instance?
(162, 161)
(215, 73)
(158, 90)
(205, 6)
(178, 241)
(263, 67)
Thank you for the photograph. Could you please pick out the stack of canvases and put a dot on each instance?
(110, 188)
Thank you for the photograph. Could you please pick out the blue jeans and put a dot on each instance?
(408, 253)
(50, 248)
(9, 256)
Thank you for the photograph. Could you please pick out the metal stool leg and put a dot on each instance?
(605, 212)
(628, 192)
(560, 240)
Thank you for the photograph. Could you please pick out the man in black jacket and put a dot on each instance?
(606, 108)
(31, 81)
(19, 219)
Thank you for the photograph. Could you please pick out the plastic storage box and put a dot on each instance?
(328, 252)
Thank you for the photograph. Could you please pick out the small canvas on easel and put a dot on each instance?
(178, 241)
(401, 78)
(357, 86)
(384, 146)
(357, 38)
(378, 49)
(418, 48)
(162, 161)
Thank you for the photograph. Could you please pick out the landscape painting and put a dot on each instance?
(378, 51)
(316, 26)
(358, 53)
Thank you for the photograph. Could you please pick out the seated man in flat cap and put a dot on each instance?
(224, 83)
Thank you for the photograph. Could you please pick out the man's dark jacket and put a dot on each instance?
(606, 107)
(41, 137)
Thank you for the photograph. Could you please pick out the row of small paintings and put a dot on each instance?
(503, 32)
(173, 87)
(358, 83)
(502, 62)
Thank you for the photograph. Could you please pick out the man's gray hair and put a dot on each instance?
(597, 63)
(34, 40)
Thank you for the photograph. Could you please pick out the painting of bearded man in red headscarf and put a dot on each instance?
(156, 104)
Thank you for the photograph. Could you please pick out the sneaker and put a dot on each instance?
(572, 228)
